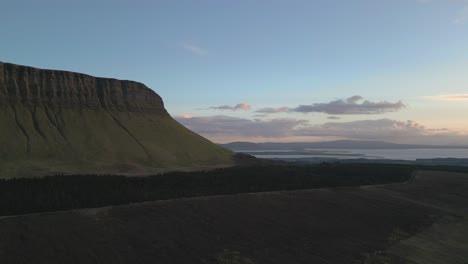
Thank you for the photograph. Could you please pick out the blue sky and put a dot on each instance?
(199, 55)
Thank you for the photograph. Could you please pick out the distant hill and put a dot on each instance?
(338, 144)
(54, 122)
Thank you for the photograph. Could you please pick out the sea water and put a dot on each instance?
(392, 154)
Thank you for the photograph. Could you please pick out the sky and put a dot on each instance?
(267, 71)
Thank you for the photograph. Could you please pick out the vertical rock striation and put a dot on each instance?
(61, 89)
(64, 122)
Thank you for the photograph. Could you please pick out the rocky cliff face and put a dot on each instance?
(62, 89)
(63, 122)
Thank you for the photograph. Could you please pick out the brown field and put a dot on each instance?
(423, 221)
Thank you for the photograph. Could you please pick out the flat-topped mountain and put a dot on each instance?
(61, 89)
(54, 122)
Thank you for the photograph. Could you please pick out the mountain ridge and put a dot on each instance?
(69, 90)
(337, 144)
(60, 122)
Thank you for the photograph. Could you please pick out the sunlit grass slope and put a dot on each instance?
(94, 141)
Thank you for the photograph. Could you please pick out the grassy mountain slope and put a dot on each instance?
(42, 137)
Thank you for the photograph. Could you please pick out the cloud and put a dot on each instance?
(194, 49)
(212, 126)
(381, 129)
(225, 129)
(354, 99)
(273, 110)
(449, 97)
(385, 130)
(241, 106)
(354, 105)
(334, 117)
(351, 106)
(462, 17)
(185, 116)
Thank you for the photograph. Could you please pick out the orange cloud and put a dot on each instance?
(241, 106)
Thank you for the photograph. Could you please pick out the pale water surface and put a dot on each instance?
(393, 154)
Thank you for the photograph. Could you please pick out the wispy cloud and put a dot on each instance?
(355, 105)
(386, 130)
(462, 14)
(273, 110)
(241, 106)
(224, 128)
(449, 97)
(184, 116)
(381, 129)
(194, 49)
(462, 17)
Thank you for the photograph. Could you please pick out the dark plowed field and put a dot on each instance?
(380, 224)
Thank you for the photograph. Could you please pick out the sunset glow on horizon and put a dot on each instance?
(268, 71)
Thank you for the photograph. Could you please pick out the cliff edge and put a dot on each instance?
(59, 122)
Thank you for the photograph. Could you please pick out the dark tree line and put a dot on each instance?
(55, 193)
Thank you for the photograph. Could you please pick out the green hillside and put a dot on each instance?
(40, 138)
